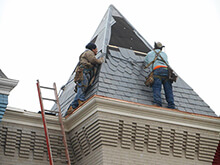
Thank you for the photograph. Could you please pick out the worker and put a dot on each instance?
(160, 75)
(84, 74)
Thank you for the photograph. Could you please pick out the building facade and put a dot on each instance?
(108, 131)
(118, 124)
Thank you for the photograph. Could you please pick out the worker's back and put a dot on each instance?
(151, 55)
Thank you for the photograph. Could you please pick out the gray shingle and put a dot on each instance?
(120, 69)
(123, 65)
(128, 70)
(116, 78)
(113, 61)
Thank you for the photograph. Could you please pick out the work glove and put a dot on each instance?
(102, 59)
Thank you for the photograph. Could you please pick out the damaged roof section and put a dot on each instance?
(115, 30)
(122, 75)
(123, 35)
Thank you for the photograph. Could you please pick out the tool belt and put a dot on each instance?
(79, 74)
(172, 75)
(149, 80)
(80, 70)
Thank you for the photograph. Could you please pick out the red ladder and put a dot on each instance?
(56, 100)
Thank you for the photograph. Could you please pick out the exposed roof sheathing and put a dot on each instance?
(122, 76)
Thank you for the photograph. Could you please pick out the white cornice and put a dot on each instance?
(6, 85)
(23, 117)
(115, 107)
(123, 108)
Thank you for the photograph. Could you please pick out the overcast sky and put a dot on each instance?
(42, 39)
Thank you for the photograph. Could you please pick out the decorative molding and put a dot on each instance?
(133, 135)
(141, 111)
(136, 136)
(18, 142)
(108, 122)
(6, 85)
(23, 117)
(107, 105)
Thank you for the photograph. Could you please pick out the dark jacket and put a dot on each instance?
(88, 59)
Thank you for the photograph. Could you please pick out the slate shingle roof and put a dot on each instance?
(122, 75)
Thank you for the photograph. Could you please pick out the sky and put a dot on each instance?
(42, 39)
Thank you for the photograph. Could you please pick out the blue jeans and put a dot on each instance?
(81, 88)
(161, 77)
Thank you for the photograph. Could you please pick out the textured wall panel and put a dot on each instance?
(149, 138)
(178, 144)
(139, 137)
(109, 133)
(190, 145)
(126, 135)
(216, 160)
(25, 145)
(22, 146)
(152, 139)
(165, 142)
(207, 148)
(39, 147)
(87, 140)
(10, 142)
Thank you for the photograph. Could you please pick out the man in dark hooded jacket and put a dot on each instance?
(84, 71)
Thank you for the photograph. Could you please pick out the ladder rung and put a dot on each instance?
(48, 99)
(47, 88)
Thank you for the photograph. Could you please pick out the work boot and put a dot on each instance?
(80, 102)
(69, 111)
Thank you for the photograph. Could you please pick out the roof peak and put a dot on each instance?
(114, 29)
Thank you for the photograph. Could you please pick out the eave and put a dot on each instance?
(141, 111)
(100, 104)
(6, 85)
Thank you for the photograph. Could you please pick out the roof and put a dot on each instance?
(2, 75)
(122, 76)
